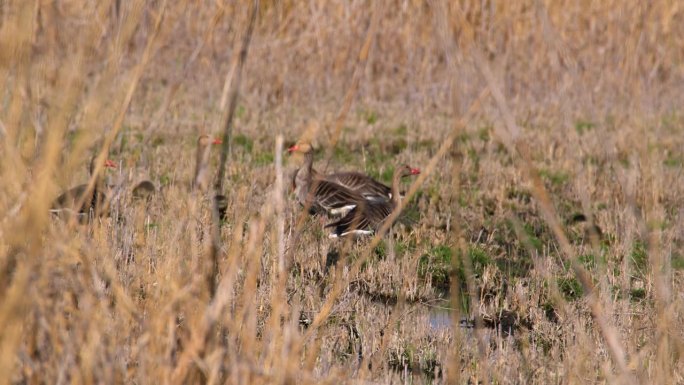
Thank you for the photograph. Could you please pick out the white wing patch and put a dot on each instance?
(344, 210)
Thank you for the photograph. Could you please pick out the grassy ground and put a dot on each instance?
(545, 244)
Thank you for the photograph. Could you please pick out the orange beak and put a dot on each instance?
(217, 141)
(110, 163)
(415, 171)
(293, 148)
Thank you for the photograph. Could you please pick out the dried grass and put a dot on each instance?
(498, 281)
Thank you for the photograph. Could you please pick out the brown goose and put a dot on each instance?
(98, 202)
(361, 183)
(143, 190)
(369, 215)
(320, 195)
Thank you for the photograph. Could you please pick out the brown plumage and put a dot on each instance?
(369, 215)
(98, 202)
(200, 180)
(358, 182)
(143, 190)
(363, 184)
(320, 195)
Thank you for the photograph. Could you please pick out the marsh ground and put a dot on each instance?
(478, 288)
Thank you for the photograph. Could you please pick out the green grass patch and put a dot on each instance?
(398, 146)
(570, 288)
(387, 174)
(623, 159)
(463, 138)
(437, 264)
(583, 126)
(165, 180)
(521, 195)
(403, 247)
(550, 311)
(410, 216)
(639, 257)
(264, 158)
(401, 130)
(483, 133)
(591, 160)
(380, 250)
(370, 116)
(245, 142)
(432, 192)
(123, 142)
(72, 136)
(677, 261)
(157, 141)
(637, 294)
(673, 160)
(343, 154)
(556, 178)
(240, 111)
(588, 261)
(532, 236)
(479, 259)
(426, 144)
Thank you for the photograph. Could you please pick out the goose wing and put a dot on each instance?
(332, 198)
(364, 219)
(69, 199)
(363, 184)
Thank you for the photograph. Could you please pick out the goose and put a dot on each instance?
(361, 183)
(98, 202)
(143, 190)
(369, 215)
(365, 185)
(317, 193)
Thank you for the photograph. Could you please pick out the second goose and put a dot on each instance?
(369, 215)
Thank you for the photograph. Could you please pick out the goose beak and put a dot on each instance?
(217, 141)
(293, 148)
(110, 163)
(415, 171)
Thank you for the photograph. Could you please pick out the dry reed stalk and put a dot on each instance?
(16, 36)
(279, 194)
(236, 69)
(212, 257)
(359, 69)
(187, 67)
(661, 270)
(510, 137)
(458, 241)
(274, 338)
(118, 122)
(26, 239)
(97, 107)
(211, 315)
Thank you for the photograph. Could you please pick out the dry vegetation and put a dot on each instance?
(547, 237)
